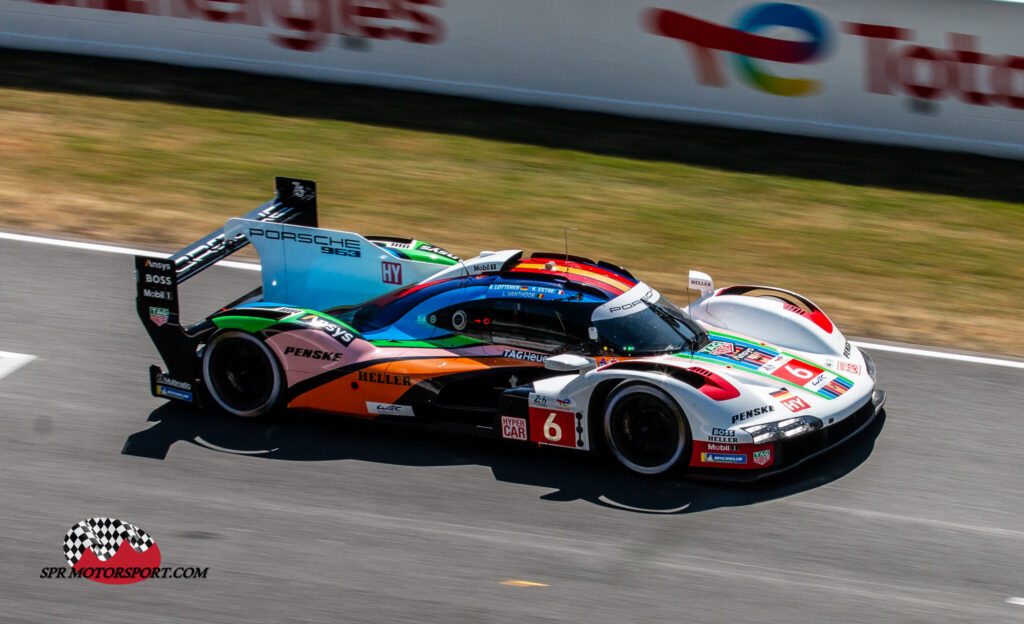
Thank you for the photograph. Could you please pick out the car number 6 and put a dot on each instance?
(551, 429)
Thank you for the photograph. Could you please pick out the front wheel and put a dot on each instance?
(644, 428)
(242, 374)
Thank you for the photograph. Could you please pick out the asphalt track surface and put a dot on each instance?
(308, 518)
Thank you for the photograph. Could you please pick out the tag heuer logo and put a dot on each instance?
(159, 316)
(762, 457)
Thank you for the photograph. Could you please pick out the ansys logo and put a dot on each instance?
(746, 45)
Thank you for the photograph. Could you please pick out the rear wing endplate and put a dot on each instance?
(157, 277)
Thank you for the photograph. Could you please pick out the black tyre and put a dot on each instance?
(645, 429)
(242, 374)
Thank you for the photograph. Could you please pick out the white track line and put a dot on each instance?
(56, 242)
(10, 362)
(39, 240)
(973, 359)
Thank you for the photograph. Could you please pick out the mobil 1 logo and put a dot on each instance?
(156, 279)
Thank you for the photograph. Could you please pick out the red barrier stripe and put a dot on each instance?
(718, 37)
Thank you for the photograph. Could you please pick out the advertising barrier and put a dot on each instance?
(945, 74)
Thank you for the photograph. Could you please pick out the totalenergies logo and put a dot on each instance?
(747, 46)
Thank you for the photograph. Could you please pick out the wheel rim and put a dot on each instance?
(240, 374)
(644, 429)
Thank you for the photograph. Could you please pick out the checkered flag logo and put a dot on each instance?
(104, 536)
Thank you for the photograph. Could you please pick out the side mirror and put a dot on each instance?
(568, 363)
(702, 282)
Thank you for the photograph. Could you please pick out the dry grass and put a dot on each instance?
(902, 245)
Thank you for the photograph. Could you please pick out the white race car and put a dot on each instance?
(549, 349)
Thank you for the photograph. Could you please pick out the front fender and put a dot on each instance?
(773, 315)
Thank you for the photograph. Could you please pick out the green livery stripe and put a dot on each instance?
(426, 256)
(448, 342)
(245, 323)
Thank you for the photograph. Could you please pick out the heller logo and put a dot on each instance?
(745, 45)
(107, 550)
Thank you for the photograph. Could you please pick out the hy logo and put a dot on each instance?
(94, 546)
(746, 45)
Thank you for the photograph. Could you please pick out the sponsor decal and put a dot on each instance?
(772, 365)
(341, 246)
(389, 409)
(724, 436)
(160, 280)
(797, 372)
(313, 354)
(723, 458)
(113, 552)
(790, 401)
(761, 458)
(157, 294)
(537, 399)
(174, 393)
(722, 447)
(564, 403)
(522, 292)
(717, 347)
(607, 361)
(390, 272)
(169, 381)
(836, 387)
(751, 413)
(846, 367)
(556, 427)
(847, 349)
(383, 378)
(300, 191)
(434, 249)
(927, 73)
(723, 439)
(626, 307)
(523, 355)
(307, 27)
(737, 353)
(820, 381)
(159, 266)
(337, 332)
(707, 40)
(513, 428)
(289, 311)
(159, 316)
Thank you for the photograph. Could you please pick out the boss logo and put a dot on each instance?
(158, 279)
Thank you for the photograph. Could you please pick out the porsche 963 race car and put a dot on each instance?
(549, 349)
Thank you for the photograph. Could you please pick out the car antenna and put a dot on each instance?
(565, 233)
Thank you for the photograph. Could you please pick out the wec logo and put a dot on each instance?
(745, 45)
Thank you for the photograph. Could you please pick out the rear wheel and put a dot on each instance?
(645, 429)
(242, 374)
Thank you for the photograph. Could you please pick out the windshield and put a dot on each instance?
(642, 322)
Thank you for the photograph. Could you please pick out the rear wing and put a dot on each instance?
(157, 277)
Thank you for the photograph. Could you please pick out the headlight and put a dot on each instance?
(783, 429)
(870, 364)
